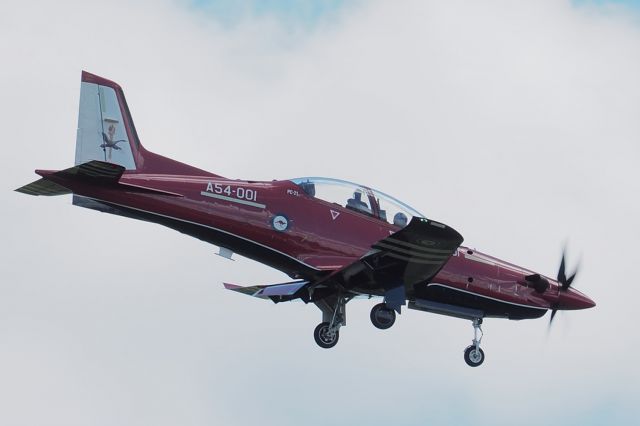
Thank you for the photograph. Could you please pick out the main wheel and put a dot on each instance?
(472, 357)
(382, 317)
(324, 337)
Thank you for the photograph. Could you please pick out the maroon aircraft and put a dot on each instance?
(337, 240)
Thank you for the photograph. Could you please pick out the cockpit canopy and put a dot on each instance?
(358, 198)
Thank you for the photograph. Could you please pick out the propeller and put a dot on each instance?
(565, 283)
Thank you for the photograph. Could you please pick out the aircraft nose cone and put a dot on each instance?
(572, 299)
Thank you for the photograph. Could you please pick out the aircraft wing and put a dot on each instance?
(410, 256)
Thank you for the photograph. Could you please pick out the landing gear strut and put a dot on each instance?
(382, 316)
(473, 355)
(334, 316)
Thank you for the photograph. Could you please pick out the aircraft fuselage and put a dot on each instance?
(317, 237)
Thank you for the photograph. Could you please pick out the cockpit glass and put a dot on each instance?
(358, 198)
(394, 211)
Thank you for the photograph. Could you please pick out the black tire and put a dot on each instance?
(382, 317)
(323, 338)
(472, 358)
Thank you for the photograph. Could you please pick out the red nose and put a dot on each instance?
(573, 299)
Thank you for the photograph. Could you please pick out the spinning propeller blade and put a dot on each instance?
(565, 284)
(561, 276)
(553, 314)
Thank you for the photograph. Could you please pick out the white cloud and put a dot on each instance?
(516, 124)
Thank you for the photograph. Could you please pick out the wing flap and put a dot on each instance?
(282, 290)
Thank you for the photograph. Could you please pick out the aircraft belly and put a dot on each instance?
(492, 306)
(210, 234)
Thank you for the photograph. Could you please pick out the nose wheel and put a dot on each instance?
(473, 355)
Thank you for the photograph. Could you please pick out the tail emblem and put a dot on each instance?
(108, 144)
(102, 131)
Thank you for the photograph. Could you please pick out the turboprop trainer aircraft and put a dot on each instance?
(336, 240)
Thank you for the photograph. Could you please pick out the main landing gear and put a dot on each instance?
(334, 316)
(382, 316)
(326, 335)
(473, 355)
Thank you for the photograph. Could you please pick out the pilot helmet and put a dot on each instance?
(400, 219)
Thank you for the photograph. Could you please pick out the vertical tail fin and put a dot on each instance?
(106, 132)
(105, 128)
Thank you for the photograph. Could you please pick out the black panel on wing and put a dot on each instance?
(415, 253)
(410, 256)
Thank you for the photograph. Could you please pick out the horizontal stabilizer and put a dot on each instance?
(43, 187)
(277, 291)
(94, 170)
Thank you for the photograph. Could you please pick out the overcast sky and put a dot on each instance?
(516, 123)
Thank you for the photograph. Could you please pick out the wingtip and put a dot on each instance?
(229, 286)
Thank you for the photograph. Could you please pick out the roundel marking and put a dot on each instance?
(280, 223)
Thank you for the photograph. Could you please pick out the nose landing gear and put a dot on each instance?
(473, 355)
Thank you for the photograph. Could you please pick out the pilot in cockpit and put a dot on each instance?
(400, 219)
(357, 204)
(309, 188)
